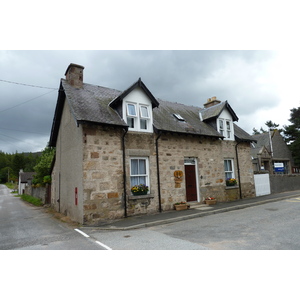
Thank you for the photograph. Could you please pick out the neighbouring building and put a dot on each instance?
(108, 141)
(271, 153)
(25, 179)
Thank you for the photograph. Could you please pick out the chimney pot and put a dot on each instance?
(211, 102)
(74, 75)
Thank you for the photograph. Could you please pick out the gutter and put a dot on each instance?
(158, 172)
(124, 172)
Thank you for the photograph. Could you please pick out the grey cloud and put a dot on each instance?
(183, 76)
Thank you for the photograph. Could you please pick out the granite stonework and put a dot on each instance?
(103, 191)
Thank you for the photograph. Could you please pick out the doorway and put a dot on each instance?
(191, 180)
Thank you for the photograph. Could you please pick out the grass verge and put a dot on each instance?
(32, 200)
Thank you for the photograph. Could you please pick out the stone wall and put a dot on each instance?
(284, 183)
(102, 174)
(103, 181)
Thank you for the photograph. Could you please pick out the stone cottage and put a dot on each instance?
(108, 141)
(271, 153)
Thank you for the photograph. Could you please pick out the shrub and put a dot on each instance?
(32, 200)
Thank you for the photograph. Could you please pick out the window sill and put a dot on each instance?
(231, 187)
(138, 197)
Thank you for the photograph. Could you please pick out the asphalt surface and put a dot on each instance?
(27, 227)
(136, 222)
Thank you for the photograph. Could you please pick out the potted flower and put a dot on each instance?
(210, 201)
(181, 205)
(231, 182)
(140, 189)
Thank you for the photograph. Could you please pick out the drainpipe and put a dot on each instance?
(124, 172)
(158, 173)
(238, 168)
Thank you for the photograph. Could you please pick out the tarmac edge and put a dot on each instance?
(193, 216)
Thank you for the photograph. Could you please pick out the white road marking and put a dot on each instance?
(81, 232)
(104, 246)
(87, 236)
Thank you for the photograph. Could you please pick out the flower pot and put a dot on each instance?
(180, 206)
(211, 202)
(140, 193)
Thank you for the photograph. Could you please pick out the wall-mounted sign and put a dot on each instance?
(279, 167)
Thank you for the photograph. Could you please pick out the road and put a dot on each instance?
(275, 225)
(26, 227)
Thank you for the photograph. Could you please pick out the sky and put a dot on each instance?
(260, 85)
(245, 52)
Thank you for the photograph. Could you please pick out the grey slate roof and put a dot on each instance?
(164, 119)
(25, 176)
(94, 104)
(91, 103)
(215, 111)
(280, 149)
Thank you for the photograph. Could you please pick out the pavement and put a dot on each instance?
(196, 210)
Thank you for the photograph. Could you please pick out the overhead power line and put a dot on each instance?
(24, 102)
(31, 85)
(21, 130)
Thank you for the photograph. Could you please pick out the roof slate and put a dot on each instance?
(280, 149)
(92, 103)
(25, 176)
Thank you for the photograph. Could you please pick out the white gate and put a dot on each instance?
(262, 184)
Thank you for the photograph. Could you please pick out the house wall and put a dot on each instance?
(102, 174)
(67, 171)
(103, 191)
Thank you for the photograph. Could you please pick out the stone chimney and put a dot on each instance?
(74, 75)
(211, 102)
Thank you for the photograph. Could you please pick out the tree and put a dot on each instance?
(271, 126)
(292, 134)
(43, 167)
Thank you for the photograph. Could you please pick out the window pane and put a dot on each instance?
(221, 124)
(134, 181)
(143, 124)
(130, 122)
(131, 110)
(228, 175)
(227, 165)
(134, 167)
(228, 125)
(142, 180)
(142, 166)
(144, 112)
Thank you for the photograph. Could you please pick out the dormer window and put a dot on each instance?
(131, 115)
(228, 129)
(138, 115)
(225, 127)
(221, 126)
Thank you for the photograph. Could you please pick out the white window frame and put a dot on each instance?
(139, 117)
(229, 171)
(223, 128)
(147, 175)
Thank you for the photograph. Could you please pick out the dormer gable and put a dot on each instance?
(221, 116)
(135, 106)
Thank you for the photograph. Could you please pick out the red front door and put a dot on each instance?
(190, 183)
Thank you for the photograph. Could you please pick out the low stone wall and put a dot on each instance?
(284, 183)
(42, 193)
